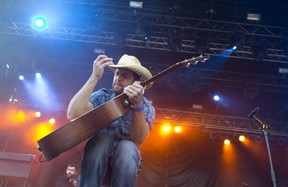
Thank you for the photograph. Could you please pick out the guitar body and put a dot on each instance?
(83, 127)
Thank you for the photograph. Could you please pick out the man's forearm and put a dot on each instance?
(139, 128)
(79, 104)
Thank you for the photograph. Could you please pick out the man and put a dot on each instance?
(70, 179)
(114, 150)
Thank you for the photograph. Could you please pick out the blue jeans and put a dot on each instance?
(124, 160)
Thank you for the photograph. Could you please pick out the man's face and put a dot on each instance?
(70, 171)
(122, 78)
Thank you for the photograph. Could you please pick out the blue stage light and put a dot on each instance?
(39, 22)
(146, 38)
(216, 98)
(234, 47)
(38, 75)
(21, 77)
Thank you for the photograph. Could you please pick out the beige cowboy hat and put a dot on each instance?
(133, 64)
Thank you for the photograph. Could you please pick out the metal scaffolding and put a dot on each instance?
(224, 126)
(118, 25)
(204, 76)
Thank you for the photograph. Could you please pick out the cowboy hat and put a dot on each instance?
(133, 64)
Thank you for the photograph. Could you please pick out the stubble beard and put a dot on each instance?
(70, 176)
(118, 89)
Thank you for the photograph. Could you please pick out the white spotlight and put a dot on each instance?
(136, 4)
(216, 97)
(253, 17)
(21, 77)
(38, 75)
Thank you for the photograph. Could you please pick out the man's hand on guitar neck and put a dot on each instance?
(135, 93)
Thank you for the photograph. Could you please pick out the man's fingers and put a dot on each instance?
(101, 63)
(101, 57)
(138, 87)
(134, 90)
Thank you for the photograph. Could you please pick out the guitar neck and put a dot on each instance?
(162, 73)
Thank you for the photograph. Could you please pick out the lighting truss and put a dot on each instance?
(61, 33)
(276, 84)
(205, 77)
(217, 123)
(161, 27)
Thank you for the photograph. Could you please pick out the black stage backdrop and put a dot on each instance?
(189, 160)
(192, 159)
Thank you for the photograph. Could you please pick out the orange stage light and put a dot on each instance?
(227, 142)
(52, 121)
(37, 114)
(166, 128)
(40, 131)
(241, 138)
(229, 156)
(177, 129)
(15, 117)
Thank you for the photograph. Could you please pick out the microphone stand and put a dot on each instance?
(265, 131)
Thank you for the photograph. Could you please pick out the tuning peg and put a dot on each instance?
(187, 63)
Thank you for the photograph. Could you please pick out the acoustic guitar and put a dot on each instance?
(93, 121)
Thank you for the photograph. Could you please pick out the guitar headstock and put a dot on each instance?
(194, 60)
(187, 62)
